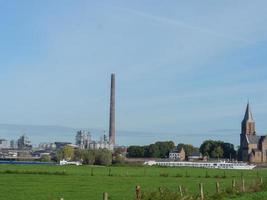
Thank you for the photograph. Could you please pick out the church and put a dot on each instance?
(253, 148)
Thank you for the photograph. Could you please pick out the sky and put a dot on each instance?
(184, 69)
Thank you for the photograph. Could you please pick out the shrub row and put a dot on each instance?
(33, 172)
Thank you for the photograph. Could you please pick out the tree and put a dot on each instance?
(165, 148)
(68, 152)
(152, 151)
(103, 157)
(206, 148)
(157, 150)
(59, 155)
(78, 154)
(217, 152)
(118, 159)
(89, 157)
(217, 149)
(135, 151)
(229, 151)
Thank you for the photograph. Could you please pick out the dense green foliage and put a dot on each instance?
(42, 182)
(87, 156)
(91, 157)
(218, 149)
(66, 153)
(157, 150)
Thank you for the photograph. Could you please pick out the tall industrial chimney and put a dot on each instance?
(112, 111)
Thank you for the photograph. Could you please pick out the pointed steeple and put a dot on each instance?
(248, 115)
(248, 124)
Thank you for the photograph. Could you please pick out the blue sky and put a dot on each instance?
(184, 69)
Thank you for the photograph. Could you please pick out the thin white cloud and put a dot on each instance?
(188, 26)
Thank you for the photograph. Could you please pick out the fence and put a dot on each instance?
(201, 196)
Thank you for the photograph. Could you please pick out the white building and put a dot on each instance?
(84, 141)
(177, 155)
(4, 144)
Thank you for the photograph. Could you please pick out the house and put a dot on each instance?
(177, 155)
(195, 156)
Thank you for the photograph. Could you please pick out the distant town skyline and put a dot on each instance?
(182, 68)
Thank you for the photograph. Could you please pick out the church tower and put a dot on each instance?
(248, 124)
(248, 138)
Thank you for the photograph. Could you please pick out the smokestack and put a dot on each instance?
(112, 111)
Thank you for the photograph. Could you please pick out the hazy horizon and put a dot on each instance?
(53, 133)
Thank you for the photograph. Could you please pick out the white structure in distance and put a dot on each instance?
(84, 141)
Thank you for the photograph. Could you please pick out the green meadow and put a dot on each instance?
(47, 182)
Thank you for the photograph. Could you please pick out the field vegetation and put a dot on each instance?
(48, 182)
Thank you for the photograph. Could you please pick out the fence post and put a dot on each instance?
(181, 191)
(138, 192)
(105, 196)
(261, 180)
(217, 187)
(233, 184)
(243, 185)
(201, 191)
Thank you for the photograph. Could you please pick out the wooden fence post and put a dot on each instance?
(243, 185)
(233, 184)
(201, 191)
(181, 191)
(138, 192)
(105, 196)
(261, 181)
(217, 187)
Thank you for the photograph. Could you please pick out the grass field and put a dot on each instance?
(40, 182)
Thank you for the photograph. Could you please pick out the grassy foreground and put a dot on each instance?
(32, 182)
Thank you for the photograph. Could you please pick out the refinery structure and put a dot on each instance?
(83, 138)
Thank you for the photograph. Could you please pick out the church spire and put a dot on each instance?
(248, 124)
(248, 115)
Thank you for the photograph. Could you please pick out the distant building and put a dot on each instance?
(83, 139)
(253, 148)
(13, 144)
(60, 145)
(195, 156)
(24, 142)
(47, 146)
(177, 155)
(4, 144)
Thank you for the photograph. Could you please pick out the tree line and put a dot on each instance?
(209, 148)
(218, 149)
(86, 156)
(156, 150)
